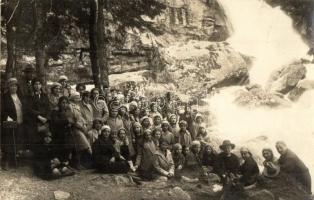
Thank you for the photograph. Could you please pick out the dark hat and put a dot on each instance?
(29, 68)
(227, 143)
(85, 94)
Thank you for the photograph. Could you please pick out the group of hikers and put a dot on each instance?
(66, 129)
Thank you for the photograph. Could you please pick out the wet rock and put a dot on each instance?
(255, 96)
(61, 195)
(286, 78)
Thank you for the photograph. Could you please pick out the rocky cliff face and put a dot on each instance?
(302, 14)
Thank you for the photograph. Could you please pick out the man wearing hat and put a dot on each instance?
(227, 163)
(25, 83)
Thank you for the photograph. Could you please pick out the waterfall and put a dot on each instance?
(267, 34)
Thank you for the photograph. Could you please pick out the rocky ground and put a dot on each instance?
(22, 185)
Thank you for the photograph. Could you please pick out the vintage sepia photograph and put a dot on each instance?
(157, 99)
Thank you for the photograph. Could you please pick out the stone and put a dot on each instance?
(61, 195)
(195, 65)
(178, 193)
(286, 78)
(261, 195)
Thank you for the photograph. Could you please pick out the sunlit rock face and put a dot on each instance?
(201, 64)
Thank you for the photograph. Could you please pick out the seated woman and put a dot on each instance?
(137, 136)
(249, 169)
(48, 162)
(106, 156)
(144, 159)
(202, 135)
(163, 162)
(209, 158)
(68, 130)
(271, 165)
(193, 158)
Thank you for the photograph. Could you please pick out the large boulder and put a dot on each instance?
(256, 96)
(199, 65)
(286, 78)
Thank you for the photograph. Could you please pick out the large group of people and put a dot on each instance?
(119, 131)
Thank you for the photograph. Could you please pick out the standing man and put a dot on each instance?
(292, 165)
(25, 83)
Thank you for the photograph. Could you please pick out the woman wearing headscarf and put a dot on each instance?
(12, 110)
(166, 134)
(249, 170)
(137, 136)
(145, 122)
(271, 165)
(106, 156)
(99, 105)
(198, 122)
(173, 122)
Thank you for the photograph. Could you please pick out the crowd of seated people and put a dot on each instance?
(121, 131)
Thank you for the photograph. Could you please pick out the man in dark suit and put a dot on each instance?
(291, 164)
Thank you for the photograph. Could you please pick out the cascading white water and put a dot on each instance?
(267, 34)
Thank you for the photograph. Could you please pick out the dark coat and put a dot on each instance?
(145, 159)
(8, 110)
(43, 154)
(226, 165)
(249, 171)
(291, 164)
(178, 159)
(103, 151)
(209, 159)
(38, 106)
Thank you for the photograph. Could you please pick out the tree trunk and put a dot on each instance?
(40, 52)
(98, 56)
(102, 51)
(11, 14)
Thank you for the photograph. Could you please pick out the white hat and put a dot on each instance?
(63, 77)
(105, 127)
